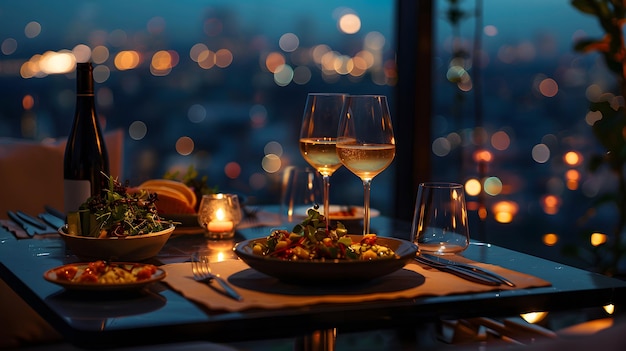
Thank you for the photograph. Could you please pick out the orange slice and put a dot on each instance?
(170, 201)
(174, 185)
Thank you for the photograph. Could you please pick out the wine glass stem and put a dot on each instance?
(366, 206)
(327, 200)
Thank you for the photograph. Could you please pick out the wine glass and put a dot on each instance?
(365, 141)
(318, 137)
(440, 223)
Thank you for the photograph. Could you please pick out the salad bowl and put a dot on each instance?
(129, 248)
(330, 270)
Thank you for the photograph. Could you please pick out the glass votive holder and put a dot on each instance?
(219, 215)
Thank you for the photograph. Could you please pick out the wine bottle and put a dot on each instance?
(86, 162)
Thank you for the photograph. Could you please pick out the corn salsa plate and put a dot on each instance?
(53, 275)
(337, 271)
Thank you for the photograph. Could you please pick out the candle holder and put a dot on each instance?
(219, 214)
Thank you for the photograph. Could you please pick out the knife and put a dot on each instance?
(27, 228)
(53, 221)
(459, 272)
(53, 211)
(468, 266)
(31, 220)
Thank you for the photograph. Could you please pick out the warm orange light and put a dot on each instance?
(232, 170)
(223, 58)
(534, 317)
(548, 87)
(28, 102)
(126, 60)
(162, 60)
(573, 158)
(550, 239)
(500, 140)
(184, 145)
(597, 239)
(482, 213)
(473, 187)
(273, 61)
(504, 211)
(572, 174)
(550, 204)
(482, 156)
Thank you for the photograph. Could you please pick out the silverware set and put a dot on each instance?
(463, 270)
(45, 223)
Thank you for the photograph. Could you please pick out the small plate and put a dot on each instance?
(338, 271)
(51, 276)
(341, 212)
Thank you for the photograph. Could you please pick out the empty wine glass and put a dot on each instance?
(365, 141)
(440, 219)
(318, 137)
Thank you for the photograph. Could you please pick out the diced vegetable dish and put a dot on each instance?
(310, 240)
(101, 272)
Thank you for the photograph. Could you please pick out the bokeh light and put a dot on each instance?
(473, 187)
(597, 239)
(349, 23)
(493, 186)
(184, 145)
(504, 211)
(551, 204)
(550, 239)
(541, 153)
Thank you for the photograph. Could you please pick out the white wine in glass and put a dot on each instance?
(318, 137)
(365, 142)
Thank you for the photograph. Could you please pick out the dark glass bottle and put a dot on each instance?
(86, 157)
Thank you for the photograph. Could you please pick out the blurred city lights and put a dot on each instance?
(32, 29)
(289, 42)
(500, 140)
(271, 163)
(550, 204)
(572, 178)
(548, 87)
(550, 239)
(184, 146)
(349, 23)
(137, 130)
(493, 186)
(598, 239)
(232, 170)
(504, 211)
(483, 156)
(473, 187)
(573, 158)
(125, 60)
(541, 153)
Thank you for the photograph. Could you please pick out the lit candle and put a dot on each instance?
(220, 224)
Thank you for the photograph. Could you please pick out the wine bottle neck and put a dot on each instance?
(84, 79)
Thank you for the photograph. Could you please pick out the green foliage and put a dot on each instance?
(609, 130)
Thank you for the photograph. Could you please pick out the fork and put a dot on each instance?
(202, 273)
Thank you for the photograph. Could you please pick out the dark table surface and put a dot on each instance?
(160, 315)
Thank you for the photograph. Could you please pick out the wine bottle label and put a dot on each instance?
(76, 193)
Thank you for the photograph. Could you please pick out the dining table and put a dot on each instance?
(164, 312)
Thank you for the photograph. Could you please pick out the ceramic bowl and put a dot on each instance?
(334, 271)
(130, 248)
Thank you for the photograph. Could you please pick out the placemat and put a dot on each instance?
(262, 291)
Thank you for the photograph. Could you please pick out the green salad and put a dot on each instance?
(309, 240)
(117, 213)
